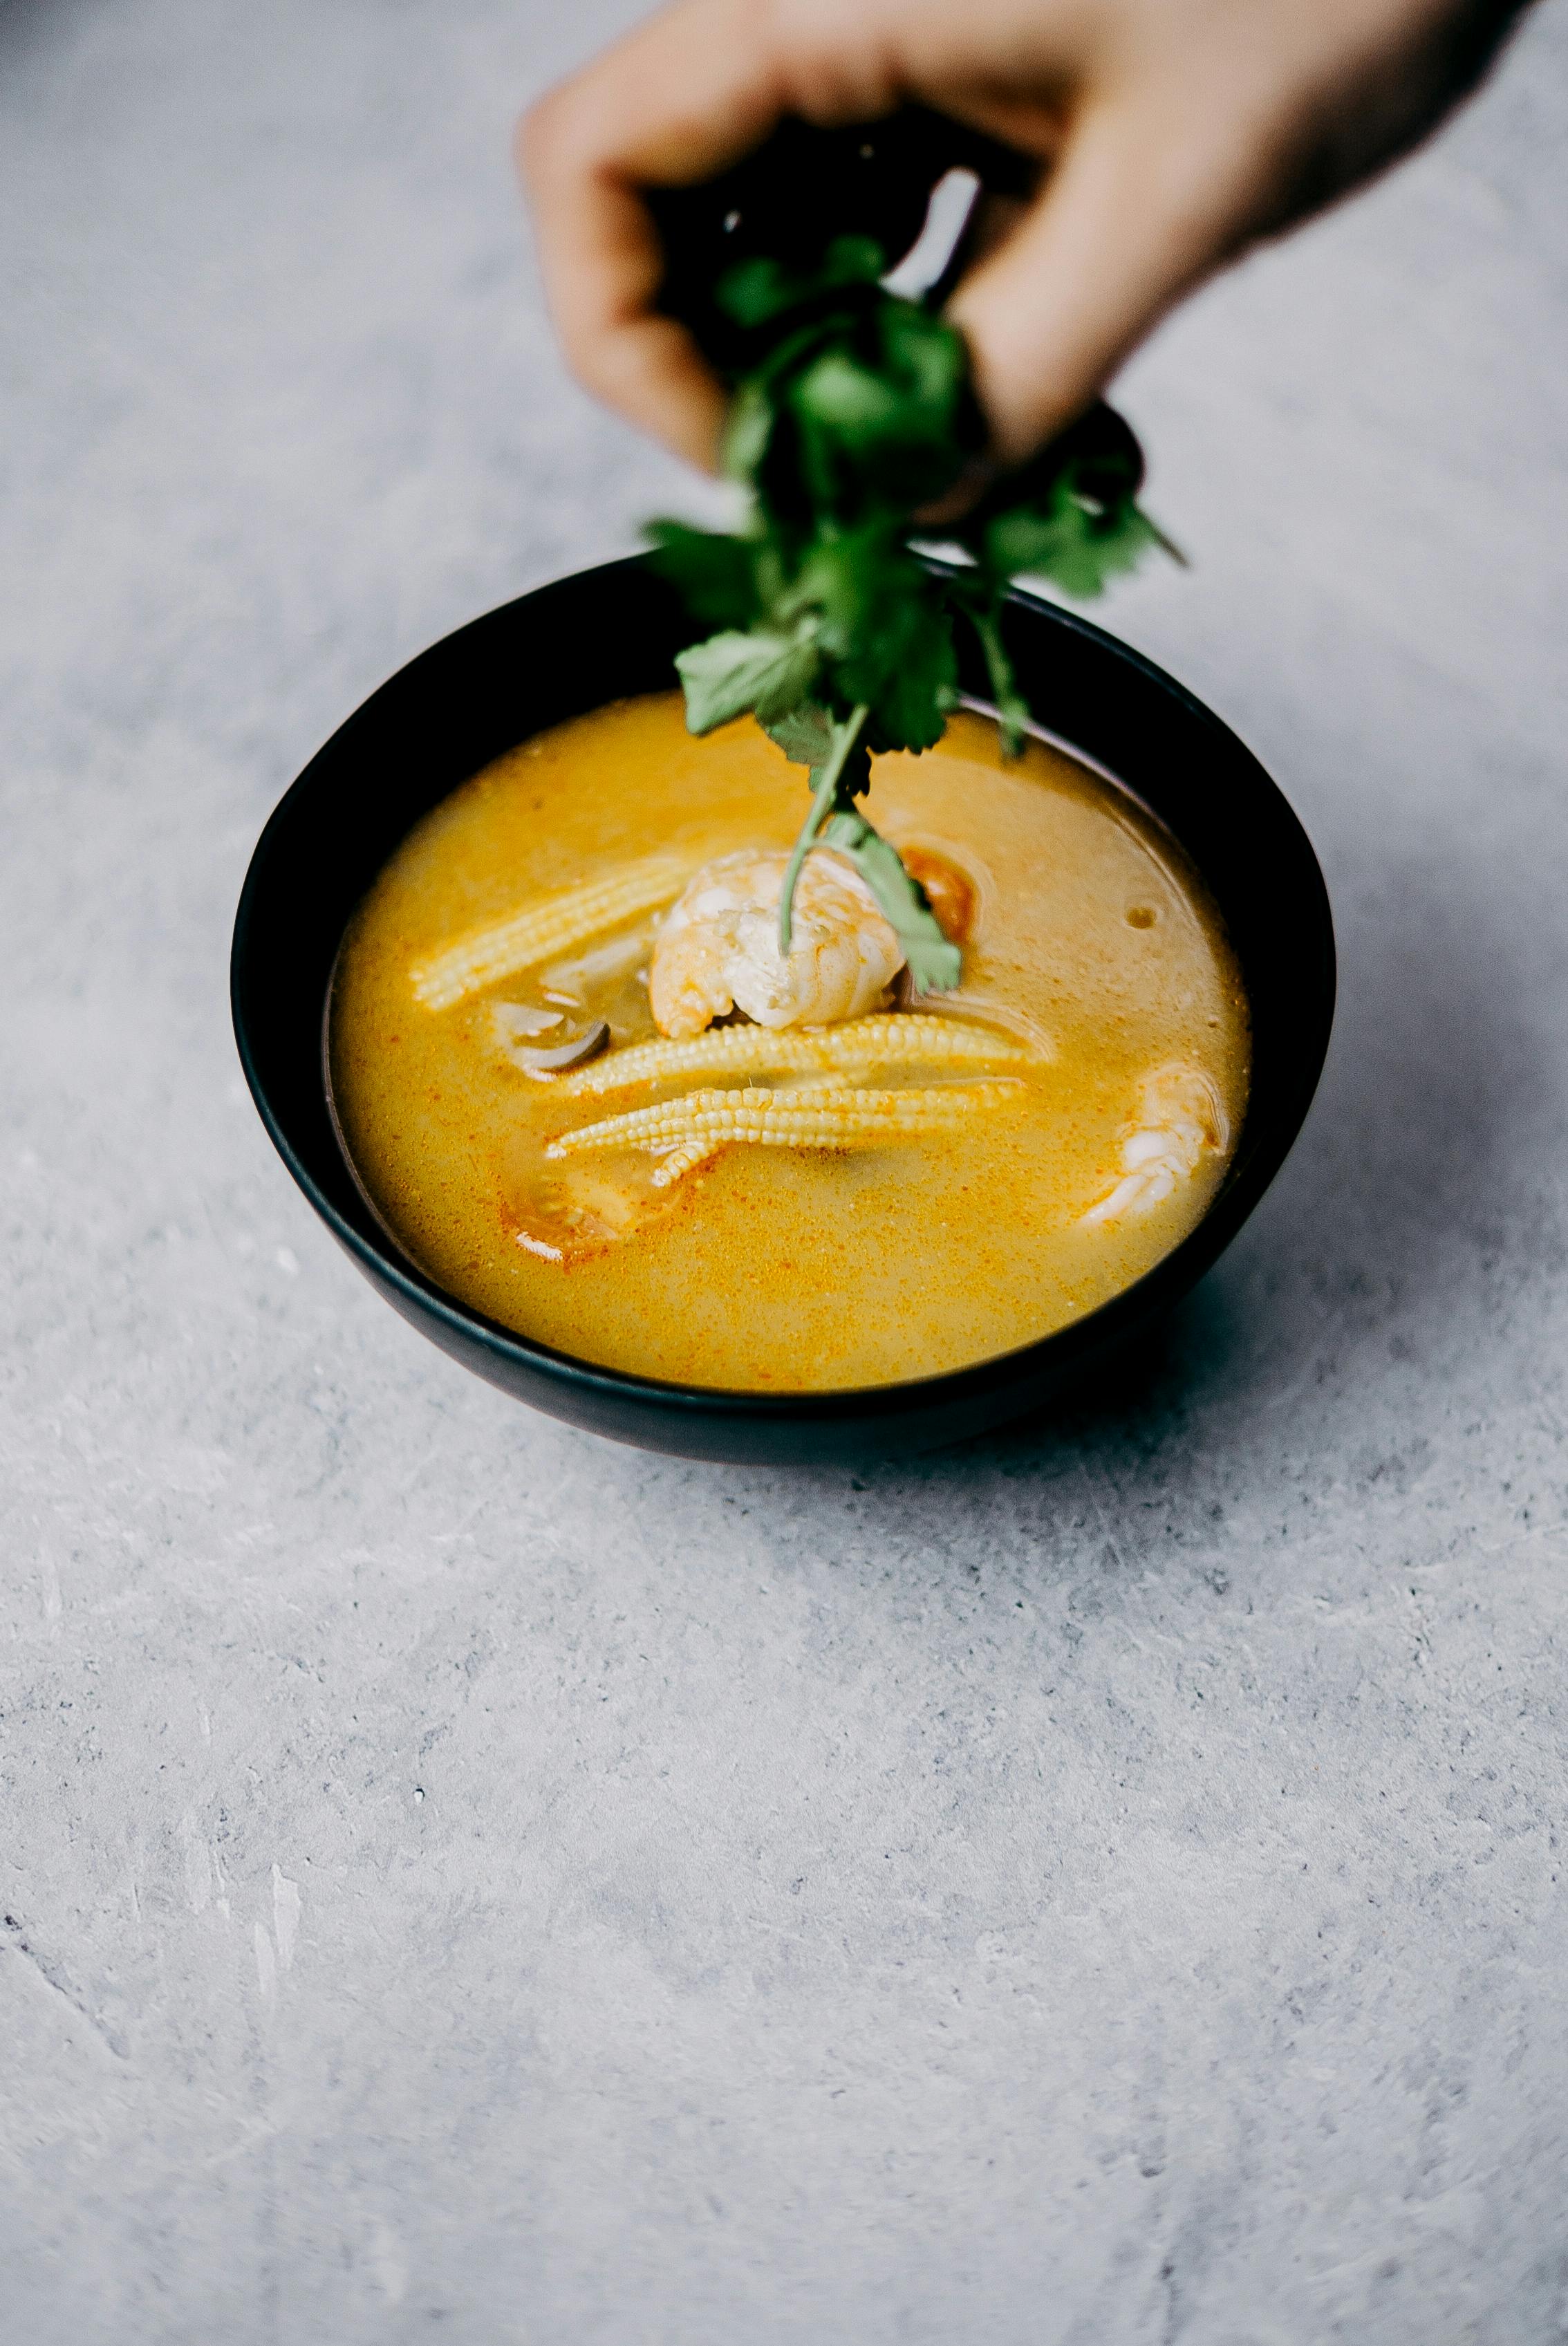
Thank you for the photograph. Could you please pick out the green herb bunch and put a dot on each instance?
(853, 415)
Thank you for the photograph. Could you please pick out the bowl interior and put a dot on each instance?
(612, 632)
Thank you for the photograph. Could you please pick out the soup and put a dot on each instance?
(584, 1092)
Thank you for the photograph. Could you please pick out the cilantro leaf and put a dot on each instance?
(760, 671)
(715, 574)
(805, 734)
(755, 292)
(1066, 539)
(747, 433)
(935, 963)
(907, 673)
(880, 414)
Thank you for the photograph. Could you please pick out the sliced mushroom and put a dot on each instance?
(562, 1055)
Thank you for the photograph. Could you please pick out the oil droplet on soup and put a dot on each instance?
(927, 1182)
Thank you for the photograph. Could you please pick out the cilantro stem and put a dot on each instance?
(824, 791)
(1011, 709)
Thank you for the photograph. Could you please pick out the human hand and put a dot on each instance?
(1171, 135)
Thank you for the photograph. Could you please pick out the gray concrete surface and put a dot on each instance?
(461, 1880)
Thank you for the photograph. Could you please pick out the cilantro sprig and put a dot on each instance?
(854, 413)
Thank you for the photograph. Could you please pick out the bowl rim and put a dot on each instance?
(1240, 1188)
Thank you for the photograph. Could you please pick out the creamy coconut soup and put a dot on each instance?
(588, 1094)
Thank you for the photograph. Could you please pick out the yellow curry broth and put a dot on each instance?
(773, 1268)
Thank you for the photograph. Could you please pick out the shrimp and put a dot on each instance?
(1179, 1118)
(719, 948)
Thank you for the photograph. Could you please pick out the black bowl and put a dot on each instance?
(605, 633)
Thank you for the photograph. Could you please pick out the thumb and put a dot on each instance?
(1137, 211)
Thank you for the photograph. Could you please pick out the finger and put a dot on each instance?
(675, 103)
(601, 264)
(1143, 203)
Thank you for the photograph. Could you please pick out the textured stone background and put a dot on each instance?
(462, 1880)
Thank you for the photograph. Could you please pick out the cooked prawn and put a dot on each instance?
(719, 948)
(1179, 1118)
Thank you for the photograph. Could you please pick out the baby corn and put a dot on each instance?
(885, 1040)
(541, 930)
(686, 1130)
(682, 1161)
